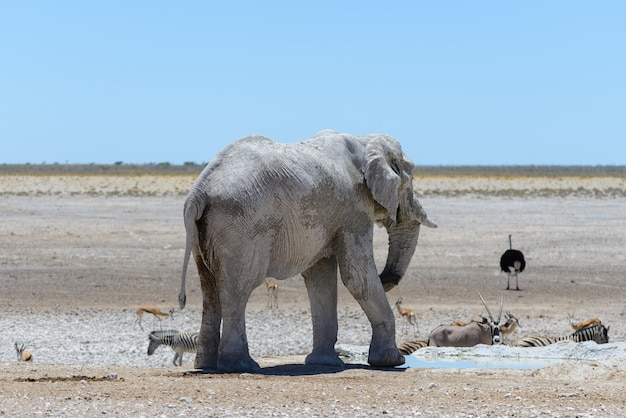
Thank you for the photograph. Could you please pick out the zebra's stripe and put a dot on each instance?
(411, 346)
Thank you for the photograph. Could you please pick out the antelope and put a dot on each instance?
(486, 331)
(463, 323)
(272, 294)
(406, 314)
(583, 324)
(507, 328)
(510, 325)
(154, 311)
(22, 353)
(461, 336)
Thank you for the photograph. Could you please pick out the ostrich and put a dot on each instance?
(512, 261)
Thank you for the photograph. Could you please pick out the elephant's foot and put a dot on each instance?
(324, 358)
(205, 362)
(238, 364)
(389, 357)
(383, 350)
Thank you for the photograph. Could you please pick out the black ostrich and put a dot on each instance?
(512, 261)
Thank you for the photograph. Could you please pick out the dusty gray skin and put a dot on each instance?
(467, 335)
(262, 209)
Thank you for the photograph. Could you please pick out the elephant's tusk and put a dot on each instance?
(428, 222)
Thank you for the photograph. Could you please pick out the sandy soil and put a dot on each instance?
(74, 244)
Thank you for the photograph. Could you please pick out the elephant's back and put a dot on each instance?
(257, 165)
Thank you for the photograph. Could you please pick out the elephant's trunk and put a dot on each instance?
(402, 243)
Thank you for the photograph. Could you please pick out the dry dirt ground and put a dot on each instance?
(79, 242)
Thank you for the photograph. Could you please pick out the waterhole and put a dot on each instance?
(412, 362)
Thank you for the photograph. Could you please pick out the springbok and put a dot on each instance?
(154, 311)
(583, 324)
(22, 353)
(510, 325)
(485, 332)
(463, 323)
(407, 314)
(272, 294)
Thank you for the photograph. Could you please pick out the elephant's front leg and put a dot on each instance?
(362, 281)
(383, 349)
(321, 284)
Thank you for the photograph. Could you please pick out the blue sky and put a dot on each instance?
(456, 82)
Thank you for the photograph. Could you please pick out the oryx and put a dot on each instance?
(493, 324)
(485, 332)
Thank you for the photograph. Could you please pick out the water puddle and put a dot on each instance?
(413, 362)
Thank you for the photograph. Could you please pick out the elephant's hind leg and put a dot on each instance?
(236, 286)
(321, 284)
(209, 338)
(234, 355)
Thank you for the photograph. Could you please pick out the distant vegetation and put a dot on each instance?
(116, 169)
(166, 179)
(121, 169)
(523, 171)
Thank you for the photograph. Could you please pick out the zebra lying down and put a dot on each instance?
(180, 342)
(597, 333)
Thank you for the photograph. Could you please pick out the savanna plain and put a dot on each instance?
(81, 248)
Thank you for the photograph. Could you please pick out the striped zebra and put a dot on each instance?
(411, 346)
(180, 342)
(597, 333)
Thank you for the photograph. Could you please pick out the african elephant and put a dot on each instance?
(262, 209)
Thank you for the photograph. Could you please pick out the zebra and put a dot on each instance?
(411, 346)
(180, 342)
(597, 333)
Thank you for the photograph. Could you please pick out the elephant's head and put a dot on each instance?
(389, 176)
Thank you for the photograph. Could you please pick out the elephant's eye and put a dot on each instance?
(396, 167)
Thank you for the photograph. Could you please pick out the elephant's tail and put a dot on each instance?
(191, 214)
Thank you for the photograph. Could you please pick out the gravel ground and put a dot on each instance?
(67, 336)
(74, 267)
(111, 337)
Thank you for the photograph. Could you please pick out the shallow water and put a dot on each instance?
(413, 362)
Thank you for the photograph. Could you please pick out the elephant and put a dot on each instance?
(263, 209)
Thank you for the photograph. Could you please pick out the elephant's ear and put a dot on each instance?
(383, 162)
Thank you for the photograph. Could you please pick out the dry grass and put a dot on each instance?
(172, 180)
